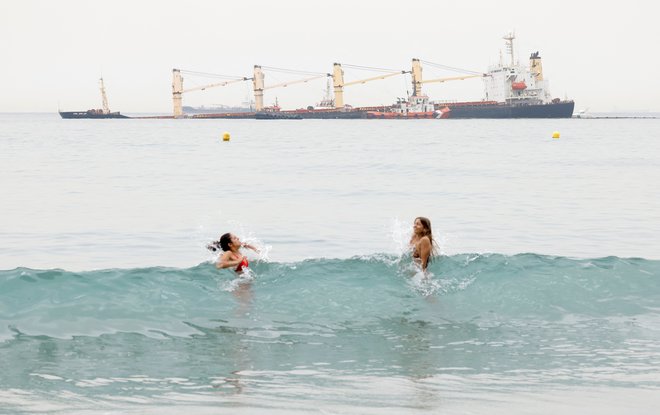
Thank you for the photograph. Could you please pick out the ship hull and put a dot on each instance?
(276, 116)
(400, 116)
(329, 115)
(294, 114)
(229, 115)
(562, 109)
(89, 114)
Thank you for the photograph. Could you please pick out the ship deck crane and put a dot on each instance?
(259, 87)
(104, 97)
(451, 78)
(417, 80)
(298, 81)
(202, 88)
(375, 78)
(178, 91)
(339, 84)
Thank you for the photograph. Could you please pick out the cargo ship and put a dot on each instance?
(511, 90)
(94, 113)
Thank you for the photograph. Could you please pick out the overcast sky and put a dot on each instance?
(604, 55)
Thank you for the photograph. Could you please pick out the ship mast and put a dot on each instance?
(106, 108)
(258, 84)
(416, 77)
(509, 45)
(338, 84)
(328, 93)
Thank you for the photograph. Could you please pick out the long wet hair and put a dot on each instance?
(222, 243)
(426, 223)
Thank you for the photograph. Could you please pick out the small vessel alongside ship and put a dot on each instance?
(416, 107)
(275, 113)
(94, 113)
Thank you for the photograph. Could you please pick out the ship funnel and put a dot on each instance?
(535, 66)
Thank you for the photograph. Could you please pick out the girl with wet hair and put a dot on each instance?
(421, 242)
(230, 244)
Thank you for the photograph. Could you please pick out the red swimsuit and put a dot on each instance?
(243, 264)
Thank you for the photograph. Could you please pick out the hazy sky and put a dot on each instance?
(604, 55)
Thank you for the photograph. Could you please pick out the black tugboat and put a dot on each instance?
(94, 113)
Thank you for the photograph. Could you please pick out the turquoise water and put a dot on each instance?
(505, 323)
(545, 298)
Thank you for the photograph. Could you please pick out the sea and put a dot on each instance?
(543, 296)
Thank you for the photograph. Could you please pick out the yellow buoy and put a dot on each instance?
(225, 136)
(555, 134)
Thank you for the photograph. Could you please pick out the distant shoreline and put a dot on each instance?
(619, 117)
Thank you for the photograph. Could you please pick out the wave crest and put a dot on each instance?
(463, 287)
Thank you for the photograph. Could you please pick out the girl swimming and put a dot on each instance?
(421, 242)
(232, 256)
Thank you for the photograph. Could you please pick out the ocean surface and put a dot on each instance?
(544, 297)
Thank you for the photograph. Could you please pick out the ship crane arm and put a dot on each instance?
(225, 83)
(299, 81)
(375, 78)
(453, 78)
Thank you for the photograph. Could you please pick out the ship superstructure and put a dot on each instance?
(517, 84)
(512, 90)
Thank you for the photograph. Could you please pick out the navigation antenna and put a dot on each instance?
(106, 109)
(509, 45)
(328, 99)
(328, 91)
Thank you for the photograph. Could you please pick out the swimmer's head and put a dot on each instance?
(223, 243)
(424, 226)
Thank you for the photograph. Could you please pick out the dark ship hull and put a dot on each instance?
(230, 115)
(288, 115)
(562, 109)
(215, 110)
(90, 114)
(332, 115)
(335, 114)
(276, 116)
